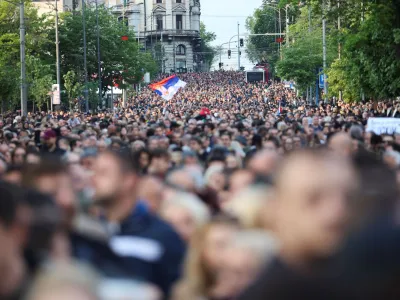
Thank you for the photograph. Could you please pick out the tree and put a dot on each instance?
(303, 57)
(208, 51)
(122, 62)
(263, 48)
(39, 80)
(370, 47)
(36, 36)
(73, 86)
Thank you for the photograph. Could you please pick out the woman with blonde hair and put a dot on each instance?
(203, 261)
(251, 206)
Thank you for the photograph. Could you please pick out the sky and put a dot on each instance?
(221, 17)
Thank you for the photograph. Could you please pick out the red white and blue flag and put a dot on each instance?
(168, 87)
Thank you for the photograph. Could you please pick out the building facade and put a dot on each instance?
(48, 6)
(169, 28)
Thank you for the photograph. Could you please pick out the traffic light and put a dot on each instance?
(241, 42)
(229, 53)
(240, 53)
(220, 65)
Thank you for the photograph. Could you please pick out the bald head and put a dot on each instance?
(264, 162)
(341, 143)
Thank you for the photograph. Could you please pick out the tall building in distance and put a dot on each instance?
(169, 28)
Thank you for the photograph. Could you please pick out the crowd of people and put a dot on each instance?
(229, 191)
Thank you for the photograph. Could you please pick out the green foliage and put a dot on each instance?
(73, 86)
(39, 80)
(370, 46)
(303, 57)
(120, 60)
(207, 37)
(264, 20)
(39, 74)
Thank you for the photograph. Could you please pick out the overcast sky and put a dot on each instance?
(221, 17)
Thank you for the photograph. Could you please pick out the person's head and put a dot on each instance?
(315, 121)
(49, 138)
(186, 213)
(288, 144)
(32, 156)
(243, 259)
(115, 177)
(271, 144)
(226, 140)
(341, 144)
(160, 162)
(214, 178)
(195, 144)
(64, 131)
(233, 162)
(312, 194)
(153, 143)
(192, 124)
(143, 159)
(151, 191)
(18, 156)
(51, 177)
(205, 256)
(248, 206)
(64, 281)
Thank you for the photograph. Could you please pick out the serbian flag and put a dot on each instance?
(168, 87)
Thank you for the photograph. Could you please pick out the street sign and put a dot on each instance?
(56, 94)
(321, 78)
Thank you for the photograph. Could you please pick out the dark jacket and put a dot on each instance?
(143, 248)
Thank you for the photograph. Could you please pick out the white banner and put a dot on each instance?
(383, 125)
(56, 94)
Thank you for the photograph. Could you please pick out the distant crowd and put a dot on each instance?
(229, 191)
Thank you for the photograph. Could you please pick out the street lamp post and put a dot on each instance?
(57, 57)
(324, 50)
(24, 94)
(238, 46)
(84, 58)
(98, 53)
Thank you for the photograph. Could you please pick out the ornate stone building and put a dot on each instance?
(170, 28)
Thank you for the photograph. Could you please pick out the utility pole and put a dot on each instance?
(24, 95)
(98, 53)
(287, 26)
(57, 57)
(309, 31)
(324, 51)
(280, 33)
(238, 46)
(340, 45)
(86, 92)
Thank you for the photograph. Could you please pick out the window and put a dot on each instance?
(179, 23)
(122, 19)
(178, 1)
(181, 50)
(159, 23)
(180, 65)
(159, 1)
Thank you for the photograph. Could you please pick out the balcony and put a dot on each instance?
(131, 8)
(173, 32)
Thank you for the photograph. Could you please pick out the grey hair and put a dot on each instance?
(261, 243)
(393, 154)
(197, 208)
